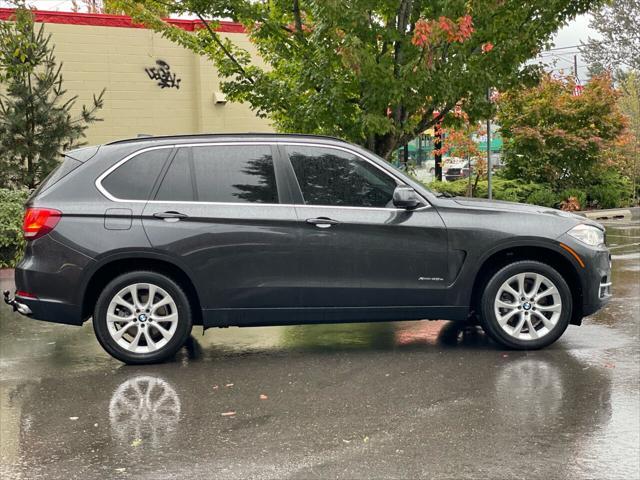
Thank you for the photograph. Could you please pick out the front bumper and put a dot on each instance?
(597, 281)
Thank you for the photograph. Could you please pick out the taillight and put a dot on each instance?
(39, 222)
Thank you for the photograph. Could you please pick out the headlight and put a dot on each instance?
(587, 234)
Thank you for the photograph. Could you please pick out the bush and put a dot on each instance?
(608, 190)
(579, 195)
(11, 213)
(508, 190)
(611, 190)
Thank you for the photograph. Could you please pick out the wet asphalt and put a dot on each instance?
(381, 400)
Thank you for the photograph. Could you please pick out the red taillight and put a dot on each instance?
(39, 222)
(22, 293)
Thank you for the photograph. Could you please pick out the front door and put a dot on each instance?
(357, 249)
(218, 211)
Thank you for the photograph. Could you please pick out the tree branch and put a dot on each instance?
(224, 49)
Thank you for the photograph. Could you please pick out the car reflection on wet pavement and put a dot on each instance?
(401, 400)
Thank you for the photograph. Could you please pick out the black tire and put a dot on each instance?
(176, 341)
(489, 320)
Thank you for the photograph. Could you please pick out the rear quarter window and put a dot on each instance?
(67, 166)
(134, 179)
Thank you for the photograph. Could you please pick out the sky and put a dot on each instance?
(576, 31)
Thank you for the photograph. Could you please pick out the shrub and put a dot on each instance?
(11, 213)
(611, 190)
(579, 195)
(508, 190)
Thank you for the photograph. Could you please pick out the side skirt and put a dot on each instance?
(251, 317)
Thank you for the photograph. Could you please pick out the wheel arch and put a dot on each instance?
(545, 254)
(119, 264)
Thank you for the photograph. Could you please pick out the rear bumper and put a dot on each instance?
(52, 273)
(47, 310)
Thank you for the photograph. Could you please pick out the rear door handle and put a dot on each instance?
(322, 222)
(170, 216)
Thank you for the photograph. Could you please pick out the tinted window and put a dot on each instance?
(177, 184)
(333, 177)
(134, 179)
(242, 173)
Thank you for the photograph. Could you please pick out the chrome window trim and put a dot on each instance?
(105, 192)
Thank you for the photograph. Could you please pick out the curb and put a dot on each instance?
(631, 213)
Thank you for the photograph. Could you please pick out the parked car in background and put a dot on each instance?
(151, 236)
(457, 170)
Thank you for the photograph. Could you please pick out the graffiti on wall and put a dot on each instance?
(162, 73)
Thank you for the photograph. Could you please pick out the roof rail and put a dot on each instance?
(146, 137)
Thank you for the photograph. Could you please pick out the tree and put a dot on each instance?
(627, 151)
(36, 123)
(556, 137)
(618, 23)
(369, 71)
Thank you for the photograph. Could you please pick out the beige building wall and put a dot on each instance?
(115, 58)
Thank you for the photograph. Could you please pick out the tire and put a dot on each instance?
(508, 320)
(149, 333)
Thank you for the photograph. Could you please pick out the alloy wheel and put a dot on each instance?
(142, 318)
(528, 306)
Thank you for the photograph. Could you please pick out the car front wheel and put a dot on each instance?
(142, 317)
(526, 305)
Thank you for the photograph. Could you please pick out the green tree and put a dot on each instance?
(555, 137)
(369, 71)
(36, 122)
(629, 147)
(618, 24)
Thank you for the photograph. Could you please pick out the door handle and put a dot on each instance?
(322, 222)
(170, 216)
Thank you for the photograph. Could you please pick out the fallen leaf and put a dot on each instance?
(229, 385)
(366, 439)
(73, 418)
(263, 396)
(215, 387)
(228, 414)
(346, 441)
(95, 424)
(120, 470)
(136, 443)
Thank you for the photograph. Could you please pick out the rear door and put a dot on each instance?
(219, 208)
(357, 249)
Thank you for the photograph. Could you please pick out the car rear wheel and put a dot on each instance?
(142, 317)
(526, 305)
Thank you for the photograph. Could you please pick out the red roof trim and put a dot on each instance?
(105, 20)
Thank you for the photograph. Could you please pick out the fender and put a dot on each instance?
(462, 287)
(134, 254)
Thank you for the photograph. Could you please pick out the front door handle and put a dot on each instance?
(322, 222)
(170, 216)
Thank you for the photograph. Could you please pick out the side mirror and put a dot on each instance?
(405, 197)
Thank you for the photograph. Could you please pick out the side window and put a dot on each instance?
(242, 173)
(177, 184)
(134, 179)
(333, 177)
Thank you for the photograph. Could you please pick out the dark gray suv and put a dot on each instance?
(153, 235)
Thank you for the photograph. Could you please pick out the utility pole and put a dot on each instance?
(575, 67)
(489, 173)
(405, 156)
